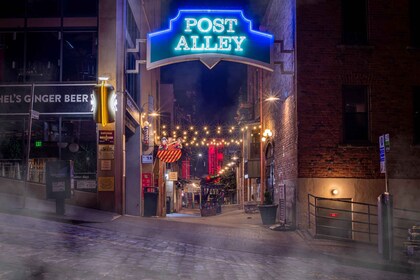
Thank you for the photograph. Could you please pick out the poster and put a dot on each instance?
(106, 184)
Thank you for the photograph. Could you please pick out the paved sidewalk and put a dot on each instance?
(348, 252)
(45, 209)
(351, 253)
(361, 254)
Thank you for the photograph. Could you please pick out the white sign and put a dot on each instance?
(147, 159)
(59, 186)
(173, 176)
(35, 115)
(85, 184)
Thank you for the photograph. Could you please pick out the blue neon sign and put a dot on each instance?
(209, 36)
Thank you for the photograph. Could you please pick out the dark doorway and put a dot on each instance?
(333, 218)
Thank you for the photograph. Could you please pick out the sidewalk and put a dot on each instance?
(346, 252)
(45, 209)
(361, 254)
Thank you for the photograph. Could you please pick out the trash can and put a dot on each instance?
(150, 201)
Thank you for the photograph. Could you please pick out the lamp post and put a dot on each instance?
(146, 125)
(262, 158)
(264, 136)
(238, 176)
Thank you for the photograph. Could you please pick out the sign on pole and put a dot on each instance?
(382, 157)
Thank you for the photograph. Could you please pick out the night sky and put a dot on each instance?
(217, 89)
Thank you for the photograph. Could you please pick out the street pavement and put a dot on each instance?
(35, 243)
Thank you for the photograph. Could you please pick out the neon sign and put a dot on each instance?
(209, 36)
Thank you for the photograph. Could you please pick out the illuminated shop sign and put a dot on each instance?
(209, 36)
(48, 99)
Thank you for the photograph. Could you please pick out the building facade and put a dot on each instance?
(56, 52)
(346, 72)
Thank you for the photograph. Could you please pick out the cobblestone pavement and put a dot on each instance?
(140, 248)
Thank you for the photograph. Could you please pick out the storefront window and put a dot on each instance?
(12, 147)
(12, 9)
(43, 56)
(66, 138)
(80, 8)
(79, 56)
(63, 129)
(43, 8)
(11, 56)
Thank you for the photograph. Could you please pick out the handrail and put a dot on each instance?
(363, 222)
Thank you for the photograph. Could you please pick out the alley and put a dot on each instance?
(140, 248)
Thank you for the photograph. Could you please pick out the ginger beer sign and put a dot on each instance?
(209, 36)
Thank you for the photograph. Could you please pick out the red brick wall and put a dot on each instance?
(280, 116)
(386, 66)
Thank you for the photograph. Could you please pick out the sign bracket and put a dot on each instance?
(138, 61)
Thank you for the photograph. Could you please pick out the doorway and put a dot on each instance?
(334, 218)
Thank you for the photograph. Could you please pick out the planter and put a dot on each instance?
(268, 213)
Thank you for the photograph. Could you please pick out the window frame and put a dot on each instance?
(414, 23)
(347, 89)
(349, 31)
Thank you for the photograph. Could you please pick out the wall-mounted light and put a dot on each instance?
(103, 78)
(334, 191)
(104, 102)
(272, 98)
(267, 133)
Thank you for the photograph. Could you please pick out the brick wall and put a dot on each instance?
(280, 116)
(386, 66)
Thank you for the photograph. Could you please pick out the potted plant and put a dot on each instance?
(268, 209)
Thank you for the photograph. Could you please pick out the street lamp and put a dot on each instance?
(272, 97)
(145, 123)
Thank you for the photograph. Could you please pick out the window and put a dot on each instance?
(354, 22)
(43, 56)
(133, 33)
(43, 8)
(415, 22)
(79, 56)
(12, 9)
(416, 111)
(11, 56)
(80, 8)
(355, 111)
(255, 152)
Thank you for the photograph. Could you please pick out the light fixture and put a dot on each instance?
(272, 98)
(74, 147)
(154, 114)
(267, 133)
(334, 191)
(103, 78)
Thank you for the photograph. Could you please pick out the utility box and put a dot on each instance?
(58, 182)
(385, 225)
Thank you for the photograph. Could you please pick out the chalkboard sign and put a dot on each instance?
(58, 175)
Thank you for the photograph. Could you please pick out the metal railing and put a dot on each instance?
(403, 220)
(363, 219)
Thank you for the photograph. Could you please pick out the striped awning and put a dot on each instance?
(169, 155)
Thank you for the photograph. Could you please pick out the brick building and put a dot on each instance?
(346, 72)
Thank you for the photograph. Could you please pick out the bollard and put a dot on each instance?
(385, 226)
